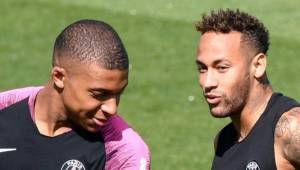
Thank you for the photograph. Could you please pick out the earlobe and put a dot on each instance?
(58, 76)
(260, 64)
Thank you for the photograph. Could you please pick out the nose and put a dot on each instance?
(208, 81)
(110, 106)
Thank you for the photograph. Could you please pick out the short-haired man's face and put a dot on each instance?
(224, 72)
(91, 94)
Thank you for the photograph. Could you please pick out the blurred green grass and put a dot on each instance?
(161, 42)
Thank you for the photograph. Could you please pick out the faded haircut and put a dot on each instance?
(253, 31)
(90, 41)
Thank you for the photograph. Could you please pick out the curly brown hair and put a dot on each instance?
(224, 21)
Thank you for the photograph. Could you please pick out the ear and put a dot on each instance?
(259, 64)
(58, 76)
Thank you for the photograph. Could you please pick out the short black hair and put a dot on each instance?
(91, 41)
(224, 21)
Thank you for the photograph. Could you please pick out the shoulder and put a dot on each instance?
(287, 135)
(289, 121)
(10, 97)
(125, 149)
(225, 137)
(216, 141)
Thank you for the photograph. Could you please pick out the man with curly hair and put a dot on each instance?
(264, 131)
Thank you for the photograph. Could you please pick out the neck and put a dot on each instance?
(50, 115)
(253, 109)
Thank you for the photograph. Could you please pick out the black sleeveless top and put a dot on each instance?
(22, 147)
(256, 151)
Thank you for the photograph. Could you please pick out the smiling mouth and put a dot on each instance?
(98, 121)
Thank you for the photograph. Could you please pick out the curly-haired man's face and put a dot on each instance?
(224, 72)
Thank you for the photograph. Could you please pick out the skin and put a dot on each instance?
(287, 140)
(232, 76)
(219, 62)
(83, 94)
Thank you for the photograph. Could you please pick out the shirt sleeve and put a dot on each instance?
(125, 149)
(10, 97)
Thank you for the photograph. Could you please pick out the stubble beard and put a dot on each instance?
(234, 103)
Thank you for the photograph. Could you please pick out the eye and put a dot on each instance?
(99, 95)
(201, 68)
(222, 68)
(104, 95)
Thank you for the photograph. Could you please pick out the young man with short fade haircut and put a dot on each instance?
(232, 61)
(88, 41)
(71, 123)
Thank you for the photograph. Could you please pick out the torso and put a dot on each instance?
(256, 151)
(124, 148)
(31, 150)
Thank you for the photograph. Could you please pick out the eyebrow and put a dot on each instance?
(99, 89)
(198, 62)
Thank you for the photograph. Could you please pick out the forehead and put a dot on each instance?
(95, 76)
(219, 46)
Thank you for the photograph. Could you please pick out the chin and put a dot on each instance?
(93, 129)
(219, 113)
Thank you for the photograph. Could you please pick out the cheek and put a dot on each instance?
(236, 83)
(87, 106)
(79, 102)
(72, 100)
(201, 79)
(230, 82)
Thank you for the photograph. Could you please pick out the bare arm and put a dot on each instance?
(287, 135)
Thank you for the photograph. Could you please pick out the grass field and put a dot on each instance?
(161, 40)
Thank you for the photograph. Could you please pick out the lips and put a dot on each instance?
(212, 99)
(98, 121)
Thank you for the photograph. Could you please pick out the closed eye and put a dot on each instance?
(103, 94)
(100, 95)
